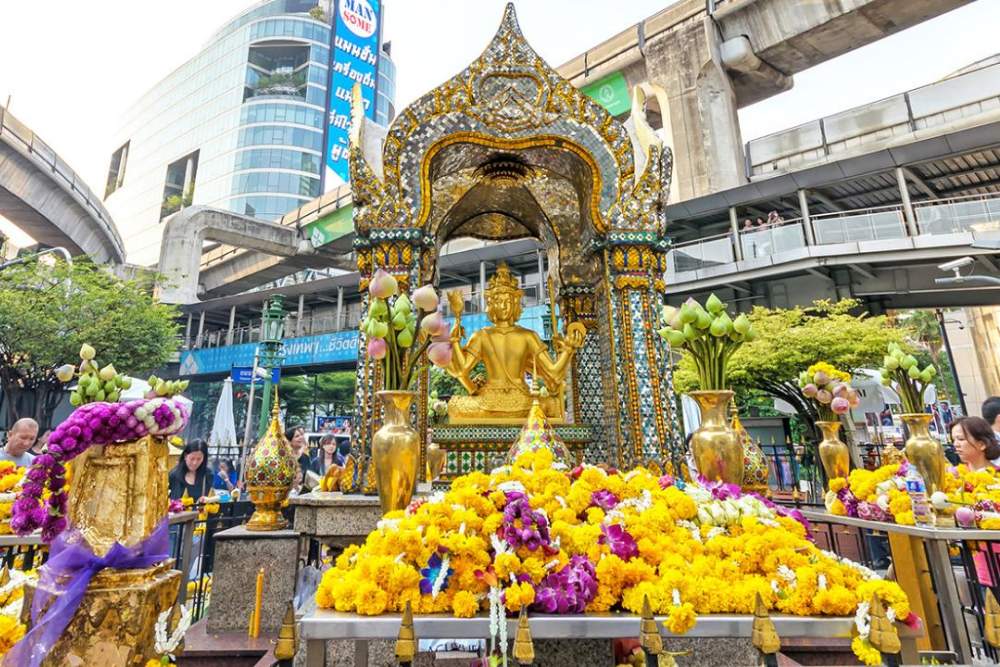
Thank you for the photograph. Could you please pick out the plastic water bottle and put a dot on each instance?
(923, 515)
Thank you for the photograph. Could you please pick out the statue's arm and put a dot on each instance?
(552, 370)
(463, 360)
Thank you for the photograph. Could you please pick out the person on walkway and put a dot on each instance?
(192, 474)
(296, 436)
(326, 456)
(975, 442)
(748, 225)
(20, 439)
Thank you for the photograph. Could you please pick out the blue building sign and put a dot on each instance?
(353, 59)
(243, 374)
(331, 348)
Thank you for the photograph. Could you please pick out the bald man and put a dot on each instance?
(20, 438)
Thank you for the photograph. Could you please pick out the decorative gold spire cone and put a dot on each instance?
(649, 634)
(406, 642)
(537, 434)
(764, 636)
(270, 473)
(287, 636)
(524, 648)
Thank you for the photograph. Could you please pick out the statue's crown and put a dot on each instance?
(503, 281)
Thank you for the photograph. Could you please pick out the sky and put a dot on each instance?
(73, 68)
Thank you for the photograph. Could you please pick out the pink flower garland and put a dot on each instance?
(90, 424)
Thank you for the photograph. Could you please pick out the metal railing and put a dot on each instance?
(15, 129)
(976, 213)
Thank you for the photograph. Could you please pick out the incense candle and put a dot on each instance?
(258, 602)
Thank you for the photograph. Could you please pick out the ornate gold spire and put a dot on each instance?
(524, 648)
(287, 636)
(406, 642)
(764, 636)
(649, 634)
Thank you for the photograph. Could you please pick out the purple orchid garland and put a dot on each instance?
(533, 531)
(90, 424)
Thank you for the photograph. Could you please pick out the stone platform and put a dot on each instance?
(239, 554)
(336, 519)
(472, 447)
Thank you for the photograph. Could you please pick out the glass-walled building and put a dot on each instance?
(239, 126)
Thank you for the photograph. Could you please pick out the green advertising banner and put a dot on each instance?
(611, 92)
(330, 227)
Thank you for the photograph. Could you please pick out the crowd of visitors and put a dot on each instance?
(774, 219)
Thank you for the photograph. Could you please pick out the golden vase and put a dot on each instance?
(717, 451)
(396, 451)
(923, 451)
(833, 453)
(269, 476)
(435, 461)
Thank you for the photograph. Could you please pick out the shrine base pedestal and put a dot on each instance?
(336, 519)
(239, 554)
(115, 622)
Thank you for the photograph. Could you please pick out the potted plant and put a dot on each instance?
(710, 336)
(901, 371)
(400, 330)
(830, 392)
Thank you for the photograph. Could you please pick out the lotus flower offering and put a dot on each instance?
(587, 540)
(902, 372)
(829, 390)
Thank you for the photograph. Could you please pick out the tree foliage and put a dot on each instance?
(790, 340)
(330, 393)
(47, 311)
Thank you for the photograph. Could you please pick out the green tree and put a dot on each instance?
(327, 393)
(47, 311)
(790, 340)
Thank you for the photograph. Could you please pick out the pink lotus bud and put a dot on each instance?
(426, 299)
(809, 391)
(377, 348)
(439, 354)
(823, 396)
(433, 324)
(840, 405)
(853, 398)
(840, 390)
(382, 285)
(821, 378)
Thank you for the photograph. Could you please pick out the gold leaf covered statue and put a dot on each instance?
(508, 352)
(884, 635)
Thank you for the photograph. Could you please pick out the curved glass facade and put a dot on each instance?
(239, 126)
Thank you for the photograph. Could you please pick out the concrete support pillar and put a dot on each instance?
(188, 176)
(734, 227)
(807, 226)
(482, 287)
(705, 131)
(340, 309)
(541, 274)
(187, 333)
(232, 321)
(201, 327)
(298, 321)
(904, 195)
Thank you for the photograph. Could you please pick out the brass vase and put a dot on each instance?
(833, 453)
(923, 451)
(717, 451)
(435, 461)
(396, 451)
(269, 476)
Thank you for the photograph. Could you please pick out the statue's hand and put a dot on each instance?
(575, 334)
(457, 332)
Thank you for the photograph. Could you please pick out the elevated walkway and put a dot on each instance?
(45, 198)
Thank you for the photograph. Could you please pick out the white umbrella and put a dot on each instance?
(223, 436)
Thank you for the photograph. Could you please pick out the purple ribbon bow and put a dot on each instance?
(71, 557)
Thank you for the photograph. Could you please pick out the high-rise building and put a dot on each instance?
(241, 126)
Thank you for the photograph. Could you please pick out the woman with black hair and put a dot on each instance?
(296, 436)
(192, 474)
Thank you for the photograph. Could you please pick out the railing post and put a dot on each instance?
(904, 194)
(734, 226)
(187, 333)
(807, 227)
(201, 328)
(340, 308)
(298, 320)
(232, 321)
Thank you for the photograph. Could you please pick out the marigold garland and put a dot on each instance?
(532, 532)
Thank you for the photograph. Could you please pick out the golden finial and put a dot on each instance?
(649, 634)
(503, 281)
(992, 620)
(287, 636)
(406, 642)
(276, 408)
(764, 636)
(524, 649)
(347, 477)
(884, 635)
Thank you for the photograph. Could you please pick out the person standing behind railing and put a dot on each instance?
(192, 475)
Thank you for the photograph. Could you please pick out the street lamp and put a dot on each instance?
(272, 329)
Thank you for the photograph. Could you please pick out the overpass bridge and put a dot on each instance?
(872, 199)
(43, 196)
(710, 58)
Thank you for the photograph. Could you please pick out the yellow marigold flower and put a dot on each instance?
(507, 564)
(518, 595)
(464, 604)
(865, 652)
(837, 483)
(681, 618)
(837, 507)
(595, 515)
